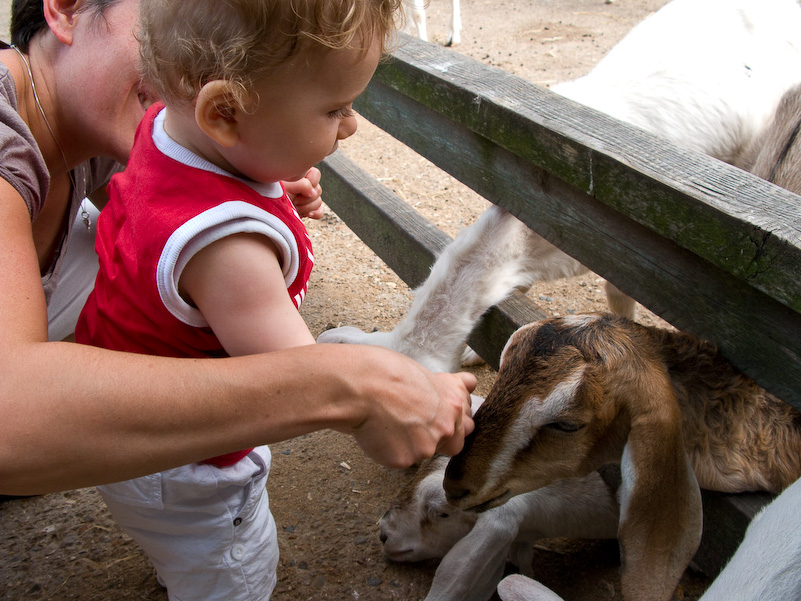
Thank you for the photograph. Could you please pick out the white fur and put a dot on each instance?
(766, 566)
(416, 19)
(476, 546)
(705, 74)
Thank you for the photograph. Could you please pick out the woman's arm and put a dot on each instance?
(238, 286)
(75, 416)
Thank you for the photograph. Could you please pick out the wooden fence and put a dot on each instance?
(710, 248)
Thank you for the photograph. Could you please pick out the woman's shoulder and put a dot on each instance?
(8, 94)
(21, 162)
(8, 89)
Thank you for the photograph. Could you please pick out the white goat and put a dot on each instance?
(579, 392)
(705, 74)
(766, 566)
(416, 16)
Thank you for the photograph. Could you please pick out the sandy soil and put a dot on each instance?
(326, 496)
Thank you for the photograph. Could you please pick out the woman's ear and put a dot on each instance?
(61, 17)
(216, 113)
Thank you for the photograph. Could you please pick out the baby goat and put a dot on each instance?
(712, 89)
(578, 392)
(416, 14)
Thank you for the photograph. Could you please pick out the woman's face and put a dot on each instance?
(104, 97)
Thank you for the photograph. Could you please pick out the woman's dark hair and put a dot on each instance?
(27, 19)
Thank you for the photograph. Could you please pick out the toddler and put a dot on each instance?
(202, 253)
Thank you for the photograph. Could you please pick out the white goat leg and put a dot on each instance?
(517, 587)
(456, 24)
(477, 270)
(572, 508)
(473, 567)
(416, 18)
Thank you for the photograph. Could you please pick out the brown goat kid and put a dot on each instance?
(578, 392)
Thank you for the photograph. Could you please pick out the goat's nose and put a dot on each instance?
(382, 537)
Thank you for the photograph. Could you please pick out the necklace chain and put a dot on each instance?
(84, 214)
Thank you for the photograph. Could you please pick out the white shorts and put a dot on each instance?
(208, 531)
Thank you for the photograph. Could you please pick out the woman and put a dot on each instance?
(75, 416)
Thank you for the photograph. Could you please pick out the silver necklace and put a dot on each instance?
(84, 214)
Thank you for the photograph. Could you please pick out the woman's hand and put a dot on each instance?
(406, 413)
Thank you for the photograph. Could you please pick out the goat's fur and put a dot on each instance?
(776, 155)
(421, 525)
(416, 19)
(579, 392)
(705, 74)
(766, 566)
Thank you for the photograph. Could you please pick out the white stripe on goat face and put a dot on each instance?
(535, 413)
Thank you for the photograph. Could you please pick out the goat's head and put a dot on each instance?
(567, 396)
(548, 416)
(421, 524)
(571, 395)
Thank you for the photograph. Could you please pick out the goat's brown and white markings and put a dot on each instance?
(568, 390)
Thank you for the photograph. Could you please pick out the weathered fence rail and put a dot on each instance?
(706, 246)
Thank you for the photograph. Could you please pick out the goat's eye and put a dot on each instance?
(565, 426)
(444, 515)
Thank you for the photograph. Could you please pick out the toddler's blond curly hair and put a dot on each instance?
(188, 43)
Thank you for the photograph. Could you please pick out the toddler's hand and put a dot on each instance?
(306, 194)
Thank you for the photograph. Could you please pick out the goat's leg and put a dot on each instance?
(577, 507)
(517, 587)
(619, 302)
(456, 24)
(471, 570)
(416, 18)
(479, 269)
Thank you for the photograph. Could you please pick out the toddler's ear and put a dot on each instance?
(215, 113)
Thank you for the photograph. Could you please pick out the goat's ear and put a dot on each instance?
(660, 502)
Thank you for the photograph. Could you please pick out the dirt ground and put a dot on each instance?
(326, 496)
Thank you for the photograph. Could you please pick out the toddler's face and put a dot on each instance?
(304, 110)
